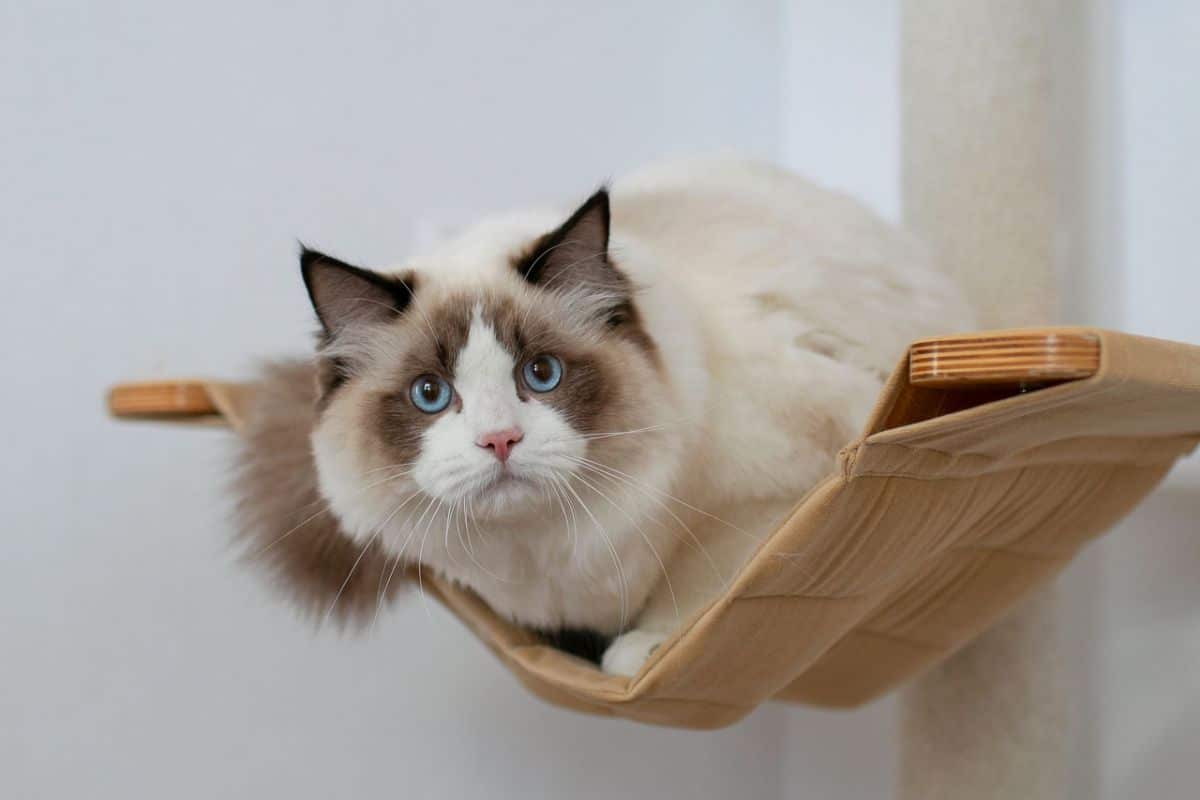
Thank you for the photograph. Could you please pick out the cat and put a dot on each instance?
(590, 418)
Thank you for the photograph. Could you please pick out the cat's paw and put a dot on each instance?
(629, 651)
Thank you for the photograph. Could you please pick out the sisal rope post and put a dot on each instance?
(979, 186)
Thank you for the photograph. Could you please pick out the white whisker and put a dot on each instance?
(406, 467)
(572, 531)
(420, 565)
(309, 519)
(670, 497)
(610, 434)
(349, 575)
(396, 560)
(292, 530)
(616, 475)
(645, 538)
(612, 550)
(470, 553)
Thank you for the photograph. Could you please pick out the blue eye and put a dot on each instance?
(430, 394)
(542, 373)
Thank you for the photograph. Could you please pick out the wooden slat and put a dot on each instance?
(1022, 357)
(160, 399)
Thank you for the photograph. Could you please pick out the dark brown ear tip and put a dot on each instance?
(309, 258)
(308, 262)
(599, 199)
(343, 294)
(596, 205)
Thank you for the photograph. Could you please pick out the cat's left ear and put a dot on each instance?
(573, 259)
(347, 297)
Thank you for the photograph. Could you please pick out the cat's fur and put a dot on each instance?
(723, 328)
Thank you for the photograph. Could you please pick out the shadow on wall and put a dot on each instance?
(1156, 563)
(1166, 758)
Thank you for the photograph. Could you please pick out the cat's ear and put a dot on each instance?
(346, 297)
(574, 257)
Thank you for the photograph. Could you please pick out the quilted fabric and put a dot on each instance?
(952, 506)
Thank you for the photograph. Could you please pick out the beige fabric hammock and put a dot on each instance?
(989, 460)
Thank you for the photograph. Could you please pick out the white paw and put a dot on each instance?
(629, 651)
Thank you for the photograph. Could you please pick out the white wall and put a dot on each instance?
(841, 109)
(158, 163)
(1160, 124)
(1148, 711)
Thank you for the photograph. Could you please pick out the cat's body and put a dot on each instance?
(558, 415)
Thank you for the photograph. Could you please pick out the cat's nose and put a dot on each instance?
(501, 443)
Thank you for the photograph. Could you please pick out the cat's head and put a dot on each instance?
(481, 378)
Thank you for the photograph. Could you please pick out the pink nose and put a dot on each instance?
(500, 442)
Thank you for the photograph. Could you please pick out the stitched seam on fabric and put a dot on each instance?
(916, 448)
(895, 638)
(651, 699)
(1047, 465)
(989, 552)
(979, 548)
(857, 596)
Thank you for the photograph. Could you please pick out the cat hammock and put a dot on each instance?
(988, 461)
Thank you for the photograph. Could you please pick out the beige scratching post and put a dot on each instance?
(979, 186)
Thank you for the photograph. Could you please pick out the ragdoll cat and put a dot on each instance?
(589, 418)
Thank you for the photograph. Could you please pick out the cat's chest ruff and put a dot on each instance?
(571, 581)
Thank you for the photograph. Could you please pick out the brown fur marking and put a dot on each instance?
(281, 516)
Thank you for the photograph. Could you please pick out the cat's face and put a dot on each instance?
(479, 396)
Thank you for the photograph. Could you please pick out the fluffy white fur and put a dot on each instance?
(776, 307)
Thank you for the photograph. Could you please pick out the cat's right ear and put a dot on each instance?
(347, 297)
